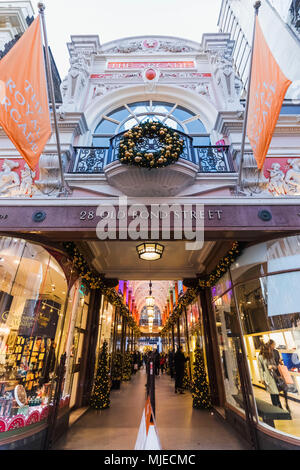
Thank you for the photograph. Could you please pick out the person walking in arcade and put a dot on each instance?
(179, 362)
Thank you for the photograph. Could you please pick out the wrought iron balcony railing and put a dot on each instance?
(88, 160)
(211, 159)
(214, 159)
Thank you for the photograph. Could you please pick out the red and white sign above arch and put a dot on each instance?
(180, 64)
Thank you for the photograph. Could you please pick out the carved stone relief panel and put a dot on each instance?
(16, 179)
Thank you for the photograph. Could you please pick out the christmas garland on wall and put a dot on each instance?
(209, 281)
(170, 141)
(92, 280)
(223, 266)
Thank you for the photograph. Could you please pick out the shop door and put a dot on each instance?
(77, 348)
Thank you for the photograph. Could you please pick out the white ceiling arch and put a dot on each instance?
(160, 291)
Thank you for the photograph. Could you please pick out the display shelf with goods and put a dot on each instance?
(37, 303)
(27, 359)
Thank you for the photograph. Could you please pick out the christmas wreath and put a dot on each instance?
(132, 146)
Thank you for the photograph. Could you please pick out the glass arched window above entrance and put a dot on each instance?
(129, 115)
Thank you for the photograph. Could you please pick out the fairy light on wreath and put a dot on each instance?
(170, 142)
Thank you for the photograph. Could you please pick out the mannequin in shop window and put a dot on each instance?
(281, 385)
(267, 365)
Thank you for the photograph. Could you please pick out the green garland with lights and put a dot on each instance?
(222, 266)
(200, 387)
(101, 391)
(92, 280)
(170, 141)
(208, 281)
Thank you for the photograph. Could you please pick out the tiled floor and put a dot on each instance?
(179, 425)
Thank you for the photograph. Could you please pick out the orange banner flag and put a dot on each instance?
(24, 108)
(267, 90)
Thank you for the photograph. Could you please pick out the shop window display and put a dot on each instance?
(229, 347)
(33, 295)
(266, 308)
(195, 329)
(182, 330)
(76, 339)
(265, 294)
(106, 325)
(175, 336)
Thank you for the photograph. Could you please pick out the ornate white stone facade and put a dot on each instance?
(197, 77)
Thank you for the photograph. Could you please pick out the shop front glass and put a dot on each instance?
(266, 280)
(195, 327)
(33, 331)
(182, 326)
(106, 325)
(176, 344)
(77, 337)
(229, 347)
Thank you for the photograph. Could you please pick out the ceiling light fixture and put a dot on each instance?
(150, 251)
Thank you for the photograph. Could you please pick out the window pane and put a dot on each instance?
(223, 285)
(140, 107)
(128, 124)
(31, 321)
(270, 318)
(229, 347)
(283, 254)
(202, 141)
(182, 114)
(162, 107)
(150, 118)
(271, 256)
(290, 109)
(106, 127)
(173, 124)
(101, 142)
(196, 127)
(119, 114)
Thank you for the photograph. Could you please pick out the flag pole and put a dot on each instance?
(63, 189)
(240, 183)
